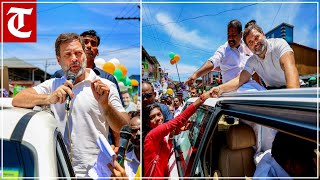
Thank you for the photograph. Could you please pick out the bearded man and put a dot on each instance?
(95, 103)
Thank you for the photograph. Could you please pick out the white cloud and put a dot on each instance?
(180, 33)
(185, 70)
(128, 57)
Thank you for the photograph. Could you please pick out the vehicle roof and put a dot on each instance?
(306, 95)
(39, 134)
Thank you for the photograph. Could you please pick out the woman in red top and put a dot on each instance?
(157, 147)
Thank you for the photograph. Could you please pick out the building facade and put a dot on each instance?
(151, 68)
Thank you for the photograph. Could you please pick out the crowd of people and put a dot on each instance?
(248, 61)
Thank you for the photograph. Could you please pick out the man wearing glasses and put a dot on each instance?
(148, 97)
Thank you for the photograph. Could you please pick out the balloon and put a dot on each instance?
(171, 54)
(164, 91)
(123, 79)
(134, 89)
(128, 81)
(169, 91)
(99, 62)
(134, 82)
(115, 61)
(176, 58)
(172, 61)
(109, 67)
(117, 73)
(123, 69)
(122, 87)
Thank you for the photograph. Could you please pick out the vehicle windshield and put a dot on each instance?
(18, 160)
(187, 142)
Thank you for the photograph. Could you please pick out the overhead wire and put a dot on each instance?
(205, 15)
(150, 28)
(275, 16)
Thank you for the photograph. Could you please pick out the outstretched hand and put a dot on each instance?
(190, 80)
(215, 92)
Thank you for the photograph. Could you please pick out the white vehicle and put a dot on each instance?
(204, 150)
(32, 145)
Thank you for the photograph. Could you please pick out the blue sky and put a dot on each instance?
(195, 31)
(119, 39)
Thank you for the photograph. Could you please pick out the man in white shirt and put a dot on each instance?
(127, 101)
(177, 106)
(273, 61)
(230, 58)
(95, 103)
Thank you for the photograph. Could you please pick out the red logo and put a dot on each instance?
(19, 21)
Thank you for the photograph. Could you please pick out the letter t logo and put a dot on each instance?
(19, 22)
(20, 14)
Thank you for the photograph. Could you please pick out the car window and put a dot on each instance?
(63, 162)
(187, 142)
(18, 160)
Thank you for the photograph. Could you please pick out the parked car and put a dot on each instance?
(32, 145)
(200, 151)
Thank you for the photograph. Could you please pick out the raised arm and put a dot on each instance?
(164, 129)
(233, 84)
(115, 118)
(205, 68)
(288, 65)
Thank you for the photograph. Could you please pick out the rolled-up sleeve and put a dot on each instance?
(250, 65)
(216, 58)
(114, 97)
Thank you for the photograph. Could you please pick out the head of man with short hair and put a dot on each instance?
(126, 98)
(171, 108)
(148, 95)
(193, 92)
(255, 39)
(92, 41)
(135, 123)
(176, 102)
(70, 54)
(234, 33)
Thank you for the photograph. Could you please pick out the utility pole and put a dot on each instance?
(45, 68)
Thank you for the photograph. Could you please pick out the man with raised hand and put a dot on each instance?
(95, 103)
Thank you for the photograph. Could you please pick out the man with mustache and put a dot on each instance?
(273, 61)
(95, 103)
(92, 42)
(230, 57)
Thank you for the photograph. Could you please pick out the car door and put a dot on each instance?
(292, 112)
(187, 142)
